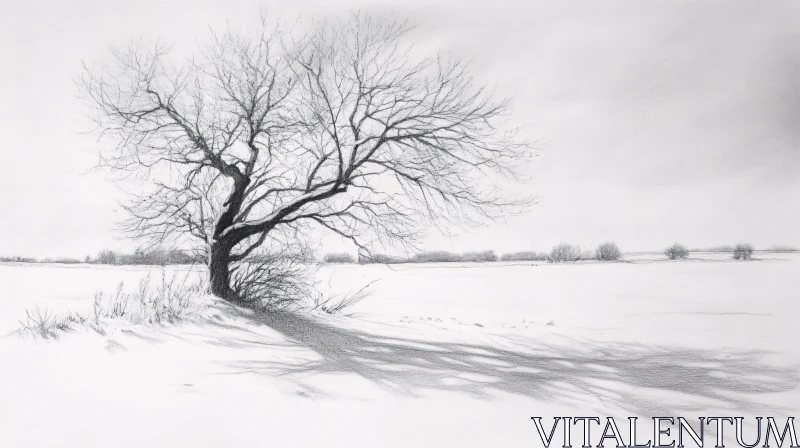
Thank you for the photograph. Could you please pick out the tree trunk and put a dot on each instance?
(219, 271)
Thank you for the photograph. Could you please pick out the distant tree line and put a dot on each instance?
(17, 260)
(156, 257)
(561, 253)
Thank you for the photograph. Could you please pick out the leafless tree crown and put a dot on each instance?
(257, 136)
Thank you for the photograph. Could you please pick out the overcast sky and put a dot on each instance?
(659, 121)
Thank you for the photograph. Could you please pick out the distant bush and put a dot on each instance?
(17, 260)
(524, 256)
(158, 257)
(381, 259)
(715, 249)
(742, 252)
(106, 257)
(153, 257)
(564, 253)
(782, 248)
(676, 252)
(338, 257)
(436, 256)
(607, 252)
(484, 256)
(441, 256)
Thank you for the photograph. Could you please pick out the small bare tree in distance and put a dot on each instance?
(743, 252)
(258, 138)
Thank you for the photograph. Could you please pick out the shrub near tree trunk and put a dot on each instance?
(743, 252)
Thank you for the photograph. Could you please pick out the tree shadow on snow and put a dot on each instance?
(637, 378)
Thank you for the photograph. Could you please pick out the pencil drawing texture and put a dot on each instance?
(259, 137)
(399, 224)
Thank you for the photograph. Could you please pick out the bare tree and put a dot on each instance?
(743, 252)
(256, 138)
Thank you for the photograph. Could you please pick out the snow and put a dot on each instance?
(439, 355)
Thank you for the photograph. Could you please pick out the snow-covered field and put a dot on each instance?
(439, 355)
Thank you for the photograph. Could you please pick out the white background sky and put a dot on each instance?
(660, 121)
